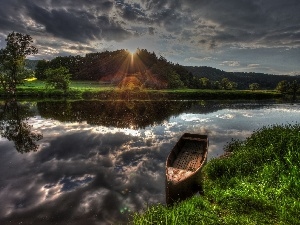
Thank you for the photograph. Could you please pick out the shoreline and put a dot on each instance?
(118, 94)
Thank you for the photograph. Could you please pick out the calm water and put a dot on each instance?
(95, 162)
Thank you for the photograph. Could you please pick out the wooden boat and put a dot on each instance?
(183, 167)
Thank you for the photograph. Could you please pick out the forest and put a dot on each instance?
(243, 79)
(144, 69)
(140, 69)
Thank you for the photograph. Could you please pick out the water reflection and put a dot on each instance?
(121, 114)
(99, 161)
(14, 127)
(130, 114)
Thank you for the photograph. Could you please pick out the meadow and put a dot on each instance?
(258, 183)
(97, 90)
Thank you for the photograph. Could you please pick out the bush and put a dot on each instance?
(58, 78)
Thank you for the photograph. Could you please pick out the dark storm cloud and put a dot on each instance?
(155, 4)
(166, 14)
(77, 25)
(82, 48)
(130, 12)
(90, 5)
(172, 21)
(81, 22)
(135, 16)
(151, 30)
(10, 16)
(250, 21)
(235, 21)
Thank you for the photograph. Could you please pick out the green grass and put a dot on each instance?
(90, 85)
(77, 90)
(97, 90)
(258, 184)
(194, 211)
(83, 85)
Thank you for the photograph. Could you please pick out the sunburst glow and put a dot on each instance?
(133, 73)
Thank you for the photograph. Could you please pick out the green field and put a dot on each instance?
(78, 85)
(258, 184)
(97, 90)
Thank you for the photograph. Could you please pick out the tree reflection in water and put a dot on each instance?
(120, 114)
(14, 126)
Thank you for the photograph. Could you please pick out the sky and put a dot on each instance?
(232, 35)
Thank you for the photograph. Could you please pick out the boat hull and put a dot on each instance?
(183, 167)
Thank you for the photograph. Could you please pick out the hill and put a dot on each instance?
(243, 79)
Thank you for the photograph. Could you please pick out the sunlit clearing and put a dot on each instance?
(31, 79)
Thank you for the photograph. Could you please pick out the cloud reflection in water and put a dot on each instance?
(96, 174)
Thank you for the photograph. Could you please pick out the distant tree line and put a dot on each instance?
(113, 66)
(243, 79)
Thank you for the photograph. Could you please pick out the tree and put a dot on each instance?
(254, 86)
(294, 88)
(12, 60)
(291, 88)
(58, 78)
(216, 85)
(226, 84)
(282, 87)
(205, 83)
(40, 69)
(164, 71)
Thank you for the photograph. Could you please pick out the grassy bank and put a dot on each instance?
(96, 90)
(257, 184)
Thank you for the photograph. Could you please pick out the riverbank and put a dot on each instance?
(257, 184)
(95, 90)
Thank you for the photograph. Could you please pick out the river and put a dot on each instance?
(96, 162)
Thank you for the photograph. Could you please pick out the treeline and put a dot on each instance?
(242, 79)
(146, 69)
(120, 67)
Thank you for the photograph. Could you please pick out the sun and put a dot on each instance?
(132, 51)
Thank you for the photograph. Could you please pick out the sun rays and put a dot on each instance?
(132, 71)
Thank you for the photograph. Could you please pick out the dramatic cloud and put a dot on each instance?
(218, 29)
(77, 25)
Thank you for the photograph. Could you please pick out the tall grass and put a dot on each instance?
(194, 211)
(259, 183)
